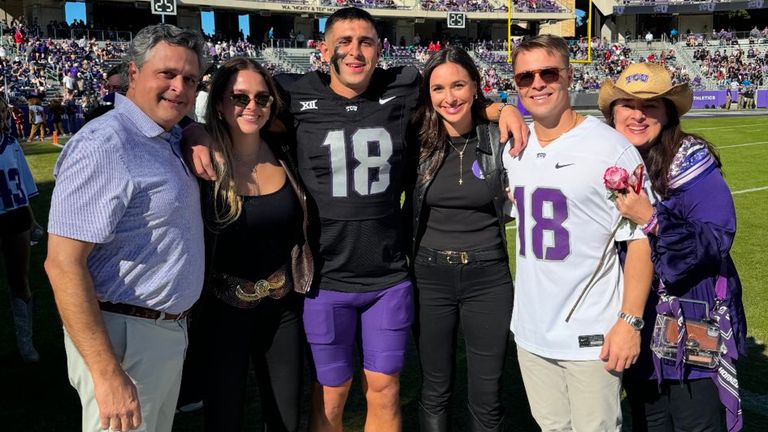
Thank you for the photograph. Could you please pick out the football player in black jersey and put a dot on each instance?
(354, 158)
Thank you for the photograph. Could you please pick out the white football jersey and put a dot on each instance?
(564, 220)
(16, 182)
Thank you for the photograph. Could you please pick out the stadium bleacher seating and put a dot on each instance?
(37, 64)
(540, 6)
(458, 5)
(375, 4)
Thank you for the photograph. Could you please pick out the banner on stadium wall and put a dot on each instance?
(761, 99)
(703, 99)
(306, 8)
(708, 98)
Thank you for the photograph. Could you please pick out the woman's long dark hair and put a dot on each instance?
(432, 134)
(658, 155)
(227, 204)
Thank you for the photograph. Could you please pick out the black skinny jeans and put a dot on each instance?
(690, 406)
(271, 335)
(479, 296)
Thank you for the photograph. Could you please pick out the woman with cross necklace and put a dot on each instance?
(461, 266)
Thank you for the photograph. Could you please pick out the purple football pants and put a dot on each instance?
(379, 320)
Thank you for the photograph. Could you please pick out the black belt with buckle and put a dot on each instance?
(460, 257)
(141, 312)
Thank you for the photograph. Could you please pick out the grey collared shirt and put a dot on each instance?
(121, 183)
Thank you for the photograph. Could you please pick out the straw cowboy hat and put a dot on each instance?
(645, 81)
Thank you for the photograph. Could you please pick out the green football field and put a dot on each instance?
(39, 398)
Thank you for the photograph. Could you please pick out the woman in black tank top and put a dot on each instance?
(258, 261)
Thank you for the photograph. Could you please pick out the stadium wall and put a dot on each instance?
(702, 99)
(615, 26)
(695, 23)
(11, 10)
(399, 22)
(287, 8)
(716, 98)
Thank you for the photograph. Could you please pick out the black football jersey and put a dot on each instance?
(352, 158)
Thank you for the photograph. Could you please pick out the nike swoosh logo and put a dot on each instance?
(558, 165)
(382, 101)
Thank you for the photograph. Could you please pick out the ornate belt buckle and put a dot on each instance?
(261, 288)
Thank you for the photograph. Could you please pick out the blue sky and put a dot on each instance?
(73, 11)
(209, 27)
(76, 11)
(580, 16)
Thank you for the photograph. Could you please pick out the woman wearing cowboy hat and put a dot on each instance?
(691, 229)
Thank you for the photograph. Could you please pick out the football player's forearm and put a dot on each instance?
(638, 274)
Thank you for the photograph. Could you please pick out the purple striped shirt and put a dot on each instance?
(121, 183)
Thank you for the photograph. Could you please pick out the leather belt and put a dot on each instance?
(460, 257)
(141, 312)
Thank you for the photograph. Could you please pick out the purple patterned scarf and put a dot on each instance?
(692, 159)
(727, 381)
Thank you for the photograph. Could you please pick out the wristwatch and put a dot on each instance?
(504, 105)
(637, 323)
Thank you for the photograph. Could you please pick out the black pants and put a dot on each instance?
(192, 375)
(271, 335)
(690, 406)
(479, 296)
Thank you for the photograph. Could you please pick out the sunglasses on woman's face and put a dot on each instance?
(242, 100)
(548, 75)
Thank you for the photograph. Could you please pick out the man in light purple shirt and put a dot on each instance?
(125, 253)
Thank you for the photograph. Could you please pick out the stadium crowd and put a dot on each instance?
(745, 67)
(459, 5)
(543, 6)
(527, 6)
(33, 64)
(372, 4)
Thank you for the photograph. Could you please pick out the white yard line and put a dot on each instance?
(749, 190)
(723, 127)
(743, 145)
(58, 145)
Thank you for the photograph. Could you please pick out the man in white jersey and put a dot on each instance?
(571, 366)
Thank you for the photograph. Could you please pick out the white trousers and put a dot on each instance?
(152, 355)
(567, 395)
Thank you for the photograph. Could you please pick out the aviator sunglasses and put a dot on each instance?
(242, 100)
(548, 75)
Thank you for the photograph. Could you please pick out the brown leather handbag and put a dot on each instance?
(702, 346)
